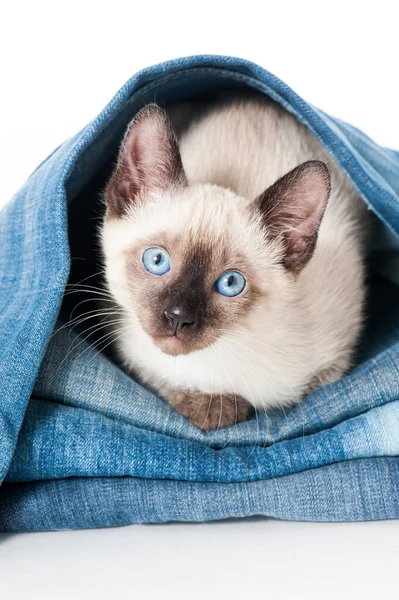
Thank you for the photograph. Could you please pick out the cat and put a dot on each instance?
(236, 254)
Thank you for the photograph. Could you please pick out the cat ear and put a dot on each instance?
(149, 161)
(292, 209)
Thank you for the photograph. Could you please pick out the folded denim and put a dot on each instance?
(68, 411)
(358, 490)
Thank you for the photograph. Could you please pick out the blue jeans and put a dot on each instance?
(354, 490)
(69, 411)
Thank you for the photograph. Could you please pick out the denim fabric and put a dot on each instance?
(359, 490)
(69, 411)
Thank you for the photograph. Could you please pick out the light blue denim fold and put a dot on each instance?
(68, 411)
(354, 490)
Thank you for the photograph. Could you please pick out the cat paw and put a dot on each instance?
(210, 412)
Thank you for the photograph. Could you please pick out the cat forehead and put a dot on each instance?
(202, 218)
(199, 211)
(201, 215)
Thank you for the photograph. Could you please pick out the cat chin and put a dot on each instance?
(173, 346)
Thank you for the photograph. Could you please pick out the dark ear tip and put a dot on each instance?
(316, 165)
(320, 168)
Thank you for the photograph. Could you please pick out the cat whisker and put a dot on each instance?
(209, 402)
(105, 337)
(73, 347)
(235, 399)
(298, 399)
(251, 399)
(295, 395)
(81, 318)
(88, 290)
(121, 331)
(96, 274)
(93, 314)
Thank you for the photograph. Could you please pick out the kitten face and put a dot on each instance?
(189, 262)
(209, 242)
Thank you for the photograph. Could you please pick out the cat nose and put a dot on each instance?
(178, 319)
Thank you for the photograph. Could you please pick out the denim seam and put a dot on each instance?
(348, 157)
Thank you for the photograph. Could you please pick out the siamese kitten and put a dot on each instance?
(235, 254)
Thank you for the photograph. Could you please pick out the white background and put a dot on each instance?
(61, 62)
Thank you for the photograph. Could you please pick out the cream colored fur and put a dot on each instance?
(307, 328)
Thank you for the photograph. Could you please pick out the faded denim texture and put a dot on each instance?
(73, 425)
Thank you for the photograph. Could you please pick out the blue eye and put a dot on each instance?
(156, 261)
(230, 283)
